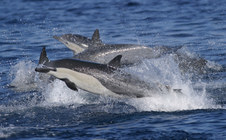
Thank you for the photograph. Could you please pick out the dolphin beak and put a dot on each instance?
(44, 69)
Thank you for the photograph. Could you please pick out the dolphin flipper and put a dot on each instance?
(70, 84)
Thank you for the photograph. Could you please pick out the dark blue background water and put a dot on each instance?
(30, 108)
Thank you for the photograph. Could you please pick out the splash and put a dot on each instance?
(163, 70)
(166, 71)
(57, 93)
(22, 76)
(189, 100)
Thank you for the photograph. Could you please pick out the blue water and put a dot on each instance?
(33, 108)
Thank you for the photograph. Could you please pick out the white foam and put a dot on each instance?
(173, 102)
(57, 93)
(23, 76)
(165, 70)
(214, 66)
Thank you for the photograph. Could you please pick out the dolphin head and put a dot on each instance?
(75, 42)
(79, 43)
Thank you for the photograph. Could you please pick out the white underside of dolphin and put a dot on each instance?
(84, 81)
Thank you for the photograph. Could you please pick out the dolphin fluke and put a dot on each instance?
(43, 57)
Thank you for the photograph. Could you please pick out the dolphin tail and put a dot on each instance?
(43, 57)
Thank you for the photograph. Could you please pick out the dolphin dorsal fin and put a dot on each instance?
(43, 56)
(115, 62)
(96, 36)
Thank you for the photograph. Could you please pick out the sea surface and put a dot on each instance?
(32, 107)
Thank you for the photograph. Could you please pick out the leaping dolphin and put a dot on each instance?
(96, 51)
(103, 79)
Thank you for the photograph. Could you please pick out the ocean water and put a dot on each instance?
(32, 107)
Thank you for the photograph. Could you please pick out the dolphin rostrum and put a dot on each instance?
(103, 79)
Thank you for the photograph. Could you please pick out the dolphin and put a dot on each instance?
(96, 51)
(102, 79)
